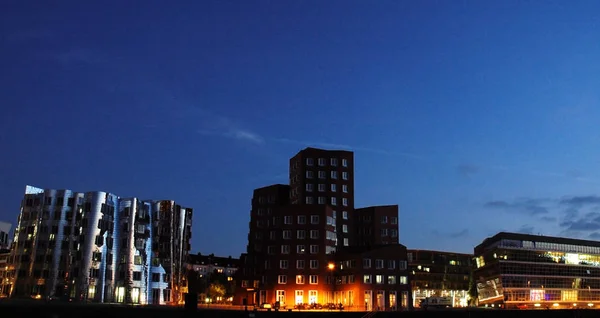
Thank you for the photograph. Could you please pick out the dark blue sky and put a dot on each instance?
(473, 116)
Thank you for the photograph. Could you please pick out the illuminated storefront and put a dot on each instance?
(439, 274)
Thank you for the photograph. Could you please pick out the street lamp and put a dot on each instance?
(331, 267)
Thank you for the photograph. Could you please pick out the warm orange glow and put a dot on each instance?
(331, 266)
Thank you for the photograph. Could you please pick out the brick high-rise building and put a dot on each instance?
(302, 241)
(326, 177)
(287, 253)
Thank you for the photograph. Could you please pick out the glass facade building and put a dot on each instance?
(439, 274)
(529, 271)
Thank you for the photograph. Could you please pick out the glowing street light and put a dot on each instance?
(331, 266)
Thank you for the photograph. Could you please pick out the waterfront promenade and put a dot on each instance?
(37, 309)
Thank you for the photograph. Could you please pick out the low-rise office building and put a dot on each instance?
(440, 274)
(532, 271)
(5, 235)
(4, 270)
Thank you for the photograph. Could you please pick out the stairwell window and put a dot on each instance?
(367, 263)
(282, 279)
(402, 265)
(403, 280)
(283, 264)
(314, 219)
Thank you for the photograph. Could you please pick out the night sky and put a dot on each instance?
(473, 116)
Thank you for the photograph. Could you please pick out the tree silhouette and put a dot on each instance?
(216, 290)
(472, 290)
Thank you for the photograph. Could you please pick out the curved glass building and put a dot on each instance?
(98, 247)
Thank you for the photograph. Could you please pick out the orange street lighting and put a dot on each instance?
(331, 266)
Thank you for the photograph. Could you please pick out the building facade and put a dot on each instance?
(376, 225)
(289, 257)
(440, 274)
(326, 177)
(372, 278)
(205, 271)
(208, 264)
(98, 247)
(5, 235)
(532, 271)
(4, 279)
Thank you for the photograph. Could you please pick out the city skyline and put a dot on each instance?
(472, 117)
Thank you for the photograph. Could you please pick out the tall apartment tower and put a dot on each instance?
(98, 247)
(326, 177)
(287, 257)
(302, 245)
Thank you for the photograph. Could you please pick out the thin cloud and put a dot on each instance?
(216, 125)
(526, 229)
(533, 207)
(71, 56)
(588, 223)
(78, 55)
(347, 147)
(453, 235)
(578, 201)
(467, 170)
(234, 133)
(548, 219)
(33, 34)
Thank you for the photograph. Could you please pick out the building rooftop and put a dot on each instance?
(412, 250)
(211, 259)
(536, 238)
